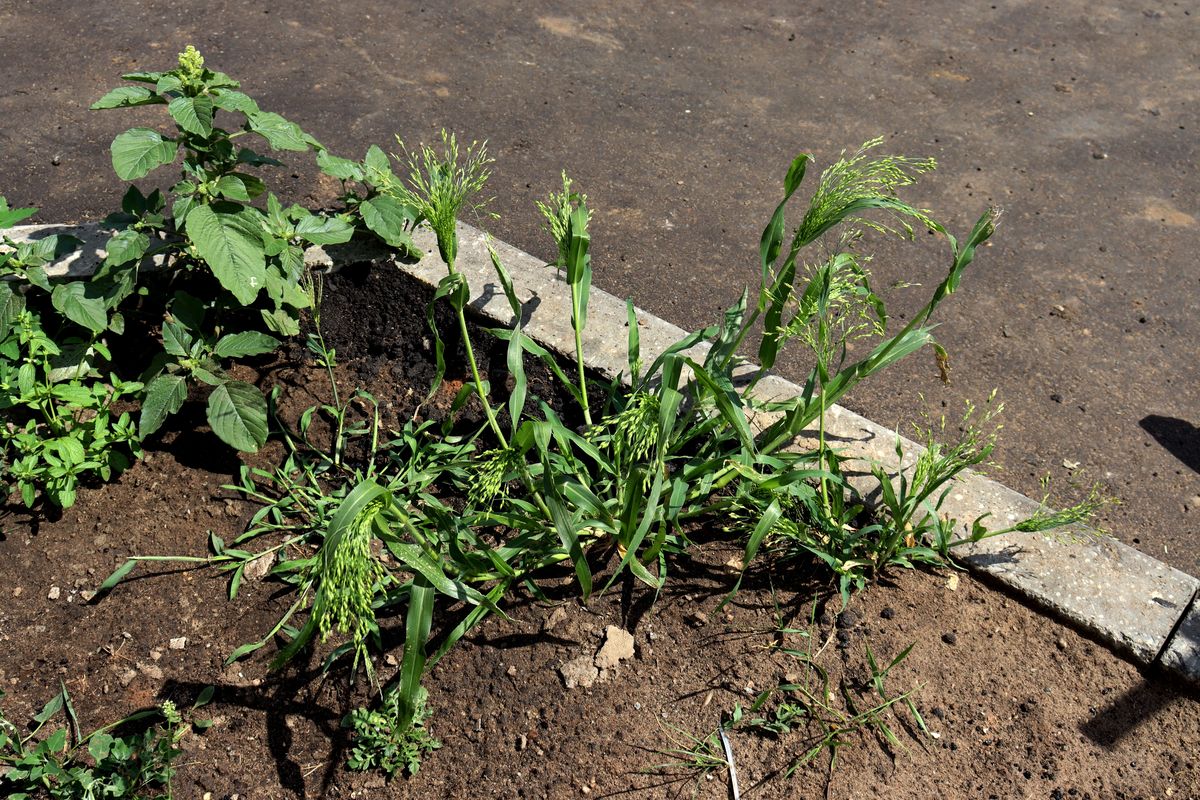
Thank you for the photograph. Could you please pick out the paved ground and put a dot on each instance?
(1079, 118)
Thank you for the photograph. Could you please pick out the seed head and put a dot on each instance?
(191, 64)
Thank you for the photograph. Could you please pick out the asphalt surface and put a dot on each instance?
(1078, 118)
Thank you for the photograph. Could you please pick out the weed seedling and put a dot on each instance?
(103, 764)
(381, 741)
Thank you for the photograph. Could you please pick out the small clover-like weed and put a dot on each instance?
(381, 740)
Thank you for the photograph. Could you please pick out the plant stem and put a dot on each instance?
(479, 390)
(583, 392)
(822, 450)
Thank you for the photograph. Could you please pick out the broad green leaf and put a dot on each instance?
(279, 133)
(377, 160)
(219, 80)
(139, 150)
(232, 187)
(51, 708)
(210, 372)
(11, 216)
(237, 413)
(75, 362)
(138, 204)
(193, 114)
(182, 206)
(125, 246)
(168, 83)
(125, 96)
(77, 301)
(142, 77)
(37, 276)
(235, 101)
(245, 343)
(177, 339)
(232, 249)
(341, 168)
(281, 322)
(8, 307)
(324, 230)
(254, 185)
(188, 310)
(43, 251)
(164, 396)
(387, 217)
(70, 449)
(72, 394)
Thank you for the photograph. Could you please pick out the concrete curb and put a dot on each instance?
(1138, 605)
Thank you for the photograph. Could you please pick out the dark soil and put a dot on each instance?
(1020, 705)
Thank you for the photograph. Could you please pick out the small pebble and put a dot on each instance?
(950, 638)
(54, 593)
(697, 619)
(178, 643)
(1061, 643)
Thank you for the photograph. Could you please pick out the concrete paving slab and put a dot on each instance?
(1182, 654)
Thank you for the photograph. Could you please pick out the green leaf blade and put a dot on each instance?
(237, 413)
(126, 97)
(137, 151)
(245, 343)
(232, 249)
(279, 132)
(74, 301)
(387, 218)
(164, 397)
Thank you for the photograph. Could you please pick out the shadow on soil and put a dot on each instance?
(291, 694)
(1178, 437)
(1156, 693)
